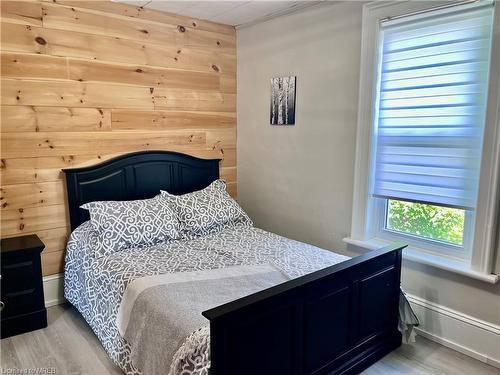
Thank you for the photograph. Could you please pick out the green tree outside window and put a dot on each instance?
(425, 220)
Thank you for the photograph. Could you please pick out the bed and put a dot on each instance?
(317, 312)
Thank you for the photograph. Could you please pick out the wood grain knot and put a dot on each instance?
(216, 68)
(181, 29)
(144, 31)
(40, 40)
(138, 70)
(194, 24)
(218, 43)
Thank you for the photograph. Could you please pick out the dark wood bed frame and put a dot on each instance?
(338, 320)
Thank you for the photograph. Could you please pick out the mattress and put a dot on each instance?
(96, 286)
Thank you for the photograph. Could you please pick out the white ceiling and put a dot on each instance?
(229, 12)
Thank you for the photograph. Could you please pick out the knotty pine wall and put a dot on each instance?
(86, 80)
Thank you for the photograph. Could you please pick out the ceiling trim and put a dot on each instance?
(280, 13)
(275, 14)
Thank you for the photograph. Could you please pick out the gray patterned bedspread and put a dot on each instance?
(95, 286)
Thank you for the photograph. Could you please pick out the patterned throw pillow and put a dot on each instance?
(206, 211)
(123, 224)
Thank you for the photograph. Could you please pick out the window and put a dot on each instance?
(442, 224)
(428, 105)
(429, 124)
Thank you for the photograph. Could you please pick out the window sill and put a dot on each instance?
(415, 255)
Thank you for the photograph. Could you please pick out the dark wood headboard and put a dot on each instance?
(137, 175)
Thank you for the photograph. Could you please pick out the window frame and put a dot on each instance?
(480, 243)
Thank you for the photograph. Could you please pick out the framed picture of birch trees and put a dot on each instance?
(283, 100)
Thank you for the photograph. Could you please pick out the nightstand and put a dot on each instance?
(23, 307)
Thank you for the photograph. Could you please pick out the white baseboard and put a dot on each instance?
(53, 289)
(464, 333)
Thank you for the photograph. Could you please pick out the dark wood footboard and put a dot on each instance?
(338, 320)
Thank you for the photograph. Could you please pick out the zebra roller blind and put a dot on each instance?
(430, 116)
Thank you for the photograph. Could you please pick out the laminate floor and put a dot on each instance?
(68, 346)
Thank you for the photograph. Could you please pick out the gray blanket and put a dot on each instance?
(158, 313)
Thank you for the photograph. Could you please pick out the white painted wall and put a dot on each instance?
(298, 181)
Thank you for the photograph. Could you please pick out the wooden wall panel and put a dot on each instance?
(84, 81)
(16, 145)
(30, 39)
(78, 19)
(25, 13)
(75, 94)
(184, 100)
(81, 70)
(25, 66)
(19, 118)
(146, 15)
(41, 169)
(19, 196)
(52, 262)
(33, 219)
(54, 239)
(38, 66)
(164, 120)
